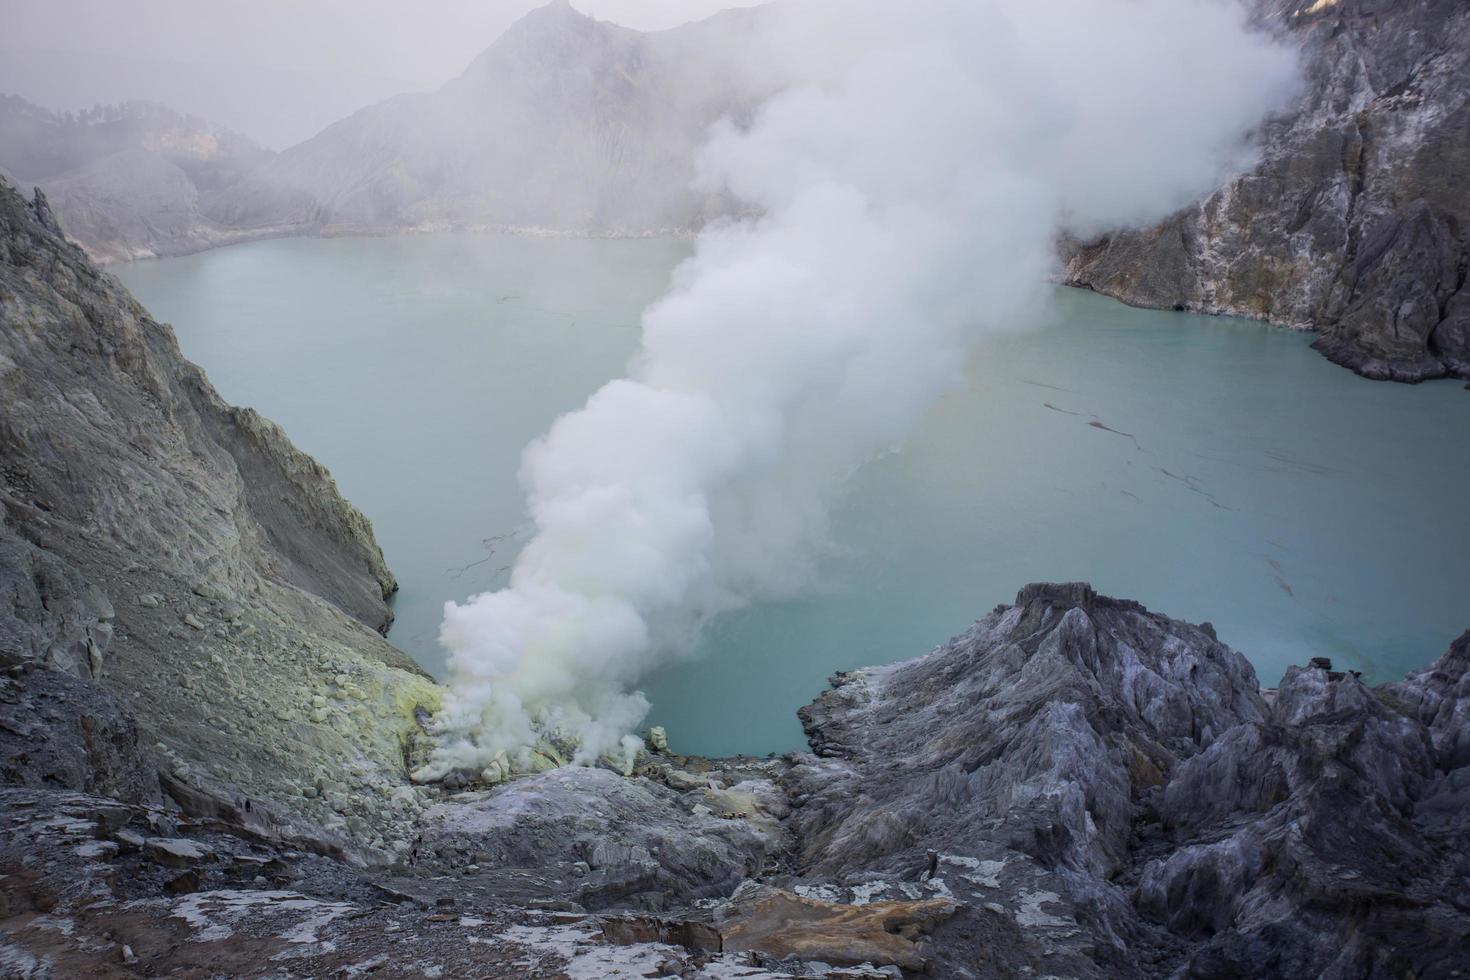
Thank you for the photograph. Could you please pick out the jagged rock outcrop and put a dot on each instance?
(1107, 794)
(1075, 787)
(1356, 221)
(62, 732)
(607, 839)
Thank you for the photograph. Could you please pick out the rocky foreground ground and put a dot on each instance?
(1075, 787)
(205, 746)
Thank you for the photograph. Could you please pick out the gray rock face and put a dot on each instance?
(607, 838)
(184, 554)
(1109, 795)
(214, 488)
(1326, 840)
(60, 732)
(1354, 222)
(1439, 697)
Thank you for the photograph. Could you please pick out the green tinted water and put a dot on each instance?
(1211, 468)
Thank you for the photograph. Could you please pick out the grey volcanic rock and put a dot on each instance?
(1019, 715)
(81, 359)
(1107, 794)
(611, 839)
(1325, 841)
(205, 746)
(90, 887)
(1354, 223)
(1439, 696)
(182, 553)
(63, 732)
(1075, 787)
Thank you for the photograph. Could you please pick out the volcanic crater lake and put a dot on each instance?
(1213, 469)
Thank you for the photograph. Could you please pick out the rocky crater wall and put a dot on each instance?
(1354, 222)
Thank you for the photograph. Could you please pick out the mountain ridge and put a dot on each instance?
(1353, 224)
(565, 124)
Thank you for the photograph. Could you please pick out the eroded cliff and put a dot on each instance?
(183, 553)
(1356, 221)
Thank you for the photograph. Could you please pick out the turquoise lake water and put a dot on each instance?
(1232, 475)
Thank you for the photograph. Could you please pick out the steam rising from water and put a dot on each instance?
(911, 185)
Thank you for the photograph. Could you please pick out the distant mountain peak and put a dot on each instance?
(553, 34)
(551, 14)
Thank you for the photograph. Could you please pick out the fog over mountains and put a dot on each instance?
(279, 71)
(571, 125)
(565, 123)
(129, 180)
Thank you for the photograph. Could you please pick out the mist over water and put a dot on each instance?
(384, 358)
(909, 187)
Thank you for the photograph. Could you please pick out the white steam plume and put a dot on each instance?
(910, 189)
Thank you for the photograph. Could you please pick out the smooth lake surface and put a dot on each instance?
(1213, 469)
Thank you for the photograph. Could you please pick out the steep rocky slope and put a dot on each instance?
(1356, 221)
(182, 551)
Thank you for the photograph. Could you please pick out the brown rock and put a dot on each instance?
(698, 937)
(781, 924)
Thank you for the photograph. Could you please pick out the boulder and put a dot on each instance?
(784, 925)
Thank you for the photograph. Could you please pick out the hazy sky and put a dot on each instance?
(277, 70)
